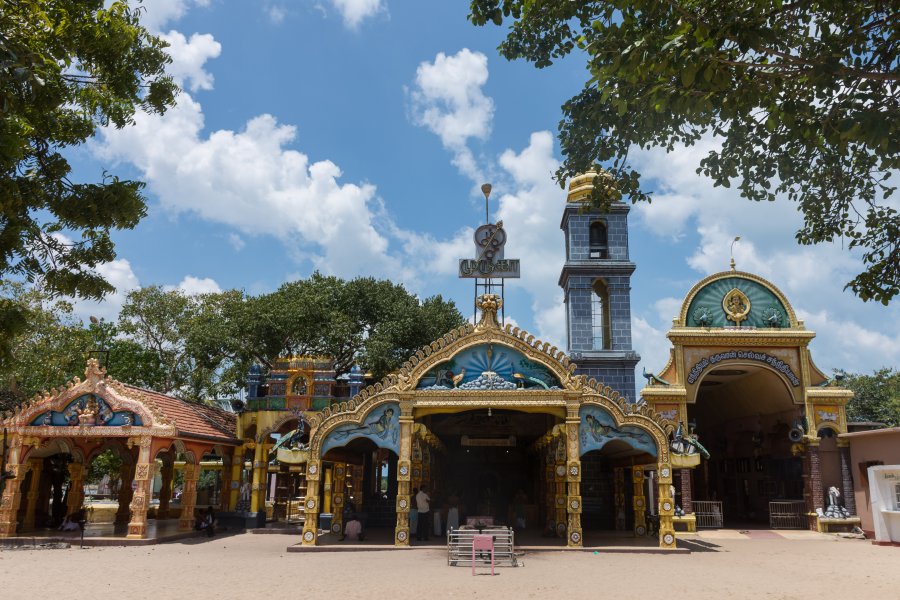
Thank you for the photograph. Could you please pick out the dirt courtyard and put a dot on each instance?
(728, 565)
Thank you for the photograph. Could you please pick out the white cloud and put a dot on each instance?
(189, 57)
(118, 273)
(276, 14)
(448, 100)
(193, 286)
(236, 241)
(354, 12)
(242, 178)
(158, 13)
(651, 343)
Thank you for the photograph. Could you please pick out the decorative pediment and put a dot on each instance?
(97, 401)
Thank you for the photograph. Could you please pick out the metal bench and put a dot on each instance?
(459, 546)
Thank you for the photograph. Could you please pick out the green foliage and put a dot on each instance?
(48, 350)
(376, 323)
(803, 97)
(108, 462)
(67, 67)
(876, 397)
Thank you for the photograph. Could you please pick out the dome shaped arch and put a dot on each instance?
(710, 293)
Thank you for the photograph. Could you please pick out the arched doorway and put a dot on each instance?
(744, 414)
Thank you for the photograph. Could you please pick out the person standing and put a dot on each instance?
(423, 505)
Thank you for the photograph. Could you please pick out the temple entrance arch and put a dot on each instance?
(741, 390)
(485, 372)
(743, 413)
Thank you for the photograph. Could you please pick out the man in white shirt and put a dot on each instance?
(423, 504)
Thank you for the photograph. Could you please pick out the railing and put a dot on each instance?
(708, 513)
(459, 546)
(787, 514)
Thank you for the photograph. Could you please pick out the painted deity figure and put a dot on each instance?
(88, 414)
(380, 427)
(599, 431)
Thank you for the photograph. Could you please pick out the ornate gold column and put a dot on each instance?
(619, 497)
(639, 501)
(143, 489)
(338, 496)
(126, 493)
(559, 481)
(550, 487)
(259, 480)
(225, 483)
(36, 467)
(666, 506)
(573, 477)
(401, 531)
(189, 496)
(165, 488)
(311, 504)
(76, 488)
(9, 502)
(327, 489)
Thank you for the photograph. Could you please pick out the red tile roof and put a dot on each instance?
(192, 419)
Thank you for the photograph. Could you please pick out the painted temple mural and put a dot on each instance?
(598, 428)
(489, 367)
(88, 409)
(737, 302)
(381, 426)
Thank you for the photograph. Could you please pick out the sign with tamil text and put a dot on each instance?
(773, 361)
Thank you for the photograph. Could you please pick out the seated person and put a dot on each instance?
(353, 529)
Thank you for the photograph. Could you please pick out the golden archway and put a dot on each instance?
(402, 392)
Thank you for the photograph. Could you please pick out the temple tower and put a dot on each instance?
(596, 279)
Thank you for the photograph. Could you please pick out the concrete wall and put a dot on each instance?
(870, 447)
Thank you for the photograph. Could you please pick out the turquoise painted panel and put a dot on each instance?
(599, 428)
(382, 426)
(766, 310)
(511, 366)
(106, 416)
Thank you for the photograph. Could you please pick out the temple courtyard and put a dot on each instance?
(722, 564)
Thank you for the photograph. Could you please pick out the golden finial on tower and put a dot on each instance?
(486, 190)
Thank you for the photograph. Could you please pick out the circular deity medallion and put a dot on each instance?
(402, 535)
(667, 506)
(335, 528)
(639, 502)
(310, 504)
(560, 501)
(561, 528)
(640, 530)
(664, 472)
(338, 499)
(339, 471)
(560, 470)
(574, 504)
(573, 471)
(404, 470)
(403, 503)
(308, 536)
(313, 469)
(669, 539)
(575, 537)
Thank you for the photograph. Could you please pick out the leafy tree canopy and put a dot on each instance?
(876, 397)
(67, 67)
(804, 98)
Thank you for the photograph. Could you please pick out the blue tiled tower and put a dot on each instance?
(596, 279)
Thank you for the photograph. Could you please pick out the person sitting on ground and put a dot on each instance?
(353, 530)
(206, 522)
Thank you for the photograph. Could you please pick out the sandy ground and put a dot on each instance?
(248, 566)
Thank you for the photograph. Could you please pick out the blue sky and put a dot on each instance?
(351, 136)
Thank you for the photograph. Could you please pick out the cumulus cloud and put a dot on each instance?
(120, 275)
(193, 286)
(276, 14)
(189, 56)
(448, 100)
(354, 12)
(158, 13)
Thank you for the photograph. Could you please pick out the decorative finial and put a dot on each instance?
(736, 240)
(489, 304)
(486, 190)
